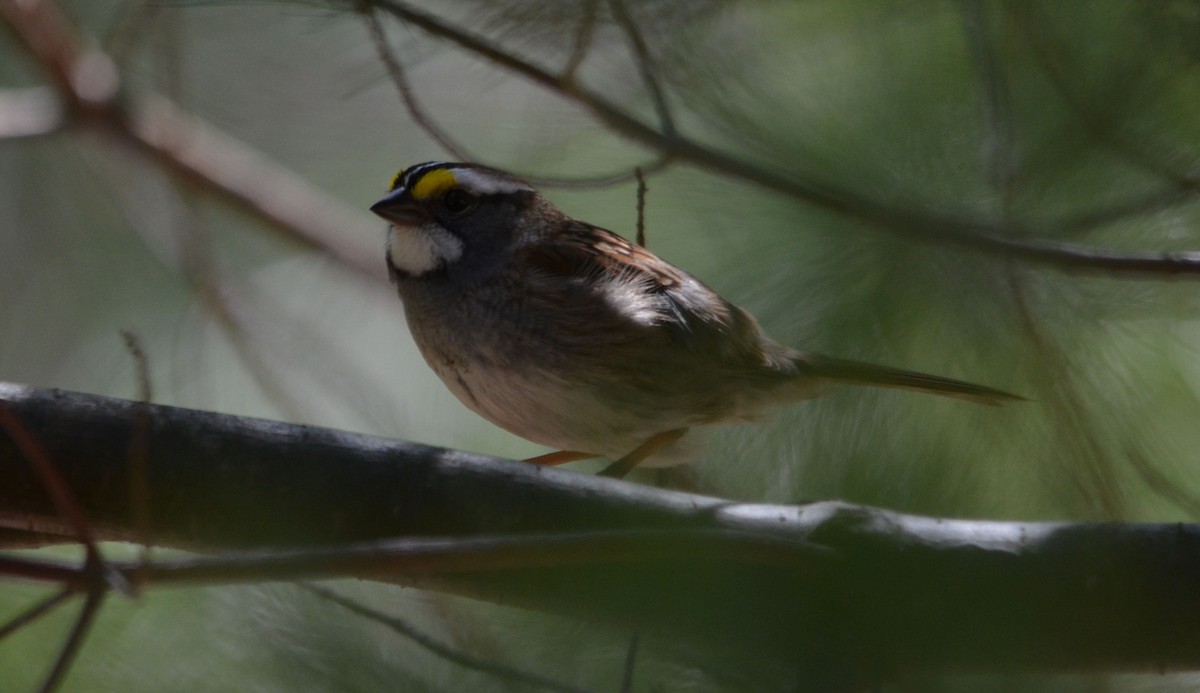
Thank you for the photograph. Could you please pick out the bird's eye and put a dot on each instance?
(457, 201)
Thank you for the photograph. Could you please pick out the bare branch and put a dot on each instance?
(219, 165)
(1133, 152)
(583, 39)
(966, 233)
(600, 180)
(630, 661)
(427, 123)
(63, 498)
(899, 594)
(400, 80)
(218, 295)
(1000, 147)
(641, 54)
(1093, 471)
(139, 487)
(183, 146)
(35, 612)
(83, 623)
(641, 207)
(1121, 210)
(1163, 486)
(462, 659)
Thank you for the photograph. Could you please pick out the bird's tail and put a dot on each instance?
(858, 373)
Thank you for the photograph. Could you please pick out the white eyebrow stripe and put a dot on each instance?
(485, 182)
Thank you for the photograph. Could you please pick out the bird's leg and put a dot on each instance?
(551, 459)
(623, 466)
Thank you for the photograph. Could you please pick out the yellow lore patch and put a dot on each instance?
(433, 183)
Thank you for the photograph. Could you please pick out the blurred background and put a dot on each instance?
(1070, 122)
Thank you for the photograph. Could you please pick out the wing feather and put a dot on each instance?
(693, 315)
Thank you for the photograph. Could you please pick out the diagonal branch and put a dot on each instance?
(462, 659)
(400, 80)
(181, 145)
(429, 125)
(583, 38)
(1046, 54)
(970, 234)
(35, 612)
(641, 54)
(233, 172)
(83, 623)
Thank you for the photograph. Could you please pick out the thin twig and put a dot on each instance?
(185, 147)
(400, 80)
(139, 449)
(1163, 486)
(218, 299)
(65, 503)
(1114, 212)
(641, 207)
(1092, 472)
(141, 366)
(641, 54)
(228, 303)
(427, 123)
(1093, 475)
(56, 487)
(972, 234)
(583, 39)
(999, 153)
(462, 659)
(70, 648)
(201, 156)
(35, 612)
(630, 662)
(216, 293)
(1182, 181)
(601, 180)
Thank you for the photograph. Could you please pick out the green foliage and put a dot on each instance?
(1073, 122)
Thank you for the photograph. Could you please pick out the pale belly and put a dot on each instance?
(564, 416)
(513, 368)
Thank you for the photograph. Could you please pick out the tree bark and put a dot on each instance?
(894, 595)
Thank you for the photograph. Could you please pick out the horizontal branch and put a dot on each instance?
(897, 595)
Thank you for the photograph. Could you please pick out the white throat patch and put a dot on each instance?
(416, 250)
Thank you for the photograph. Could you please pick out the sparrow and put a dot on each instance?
(570, 336)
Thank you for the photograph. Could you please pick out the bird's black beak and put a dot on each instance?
(399, 209)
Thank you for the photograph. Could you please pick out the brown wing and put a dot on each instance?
(585, 251)
(698, 345)
(709, 330)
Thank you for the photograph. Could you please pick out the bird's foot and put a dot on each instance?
(558, 457)
(623, 466)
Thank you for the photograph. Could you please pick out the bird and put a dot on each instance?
(570, 336)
